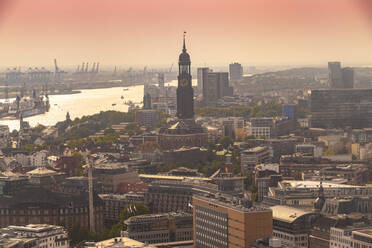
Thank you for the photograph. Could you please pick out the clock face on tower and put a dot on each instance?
(183, 82)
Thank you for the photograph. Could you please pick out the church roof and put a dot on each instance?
(184, 56)
(183, 126)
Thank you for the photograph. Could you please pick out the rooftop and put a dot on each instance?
(42, 171)
(155, 217)
(176, 178)
(231, 202)
(255, 149)
(287, 214)
(313, 184)
(35, 227)
(365, 232)
(119, 196)
(120, 242)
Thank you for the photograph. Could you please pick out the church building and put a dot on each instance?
(183, 132)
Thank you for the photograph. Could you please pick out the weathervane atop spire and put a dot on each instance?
(184, 45)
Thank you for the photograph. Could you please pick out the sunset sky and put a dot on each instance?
(149, 32)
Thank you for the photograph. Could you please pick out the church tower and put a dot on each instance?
(185, 92)
(183, 131)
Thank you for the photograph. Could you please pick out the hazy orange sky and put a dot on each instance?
(149, 32)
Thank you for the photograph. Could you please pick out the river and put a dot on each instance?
(88, 102)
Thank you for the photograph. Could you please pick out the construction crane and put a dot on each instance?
(56, 69)
(97, 67)
(86, 68)
(170, 69)
(114, 73)
(93, 68)
(82, 67)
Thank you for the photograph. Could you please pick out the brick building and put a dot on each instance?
(222, 221)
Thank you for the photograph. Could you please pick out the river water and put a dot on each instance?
(88, 102)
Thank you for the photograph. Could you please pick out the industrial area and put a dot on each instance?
(26, 91)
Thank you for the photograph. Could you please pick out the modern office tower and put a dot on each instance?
(147, 101)
(340, 78)
(348, 77)
(236, 71)
(341, 108)
(225, 221)
(335, 75)
(215, 86)
(201, 75)
(210, 89)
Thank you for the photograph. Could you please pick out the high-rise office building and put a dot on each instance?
(236, 71)
(225, 221)
(201, 75)
(215, 86)
(146, 97)
(348, 77)
(340, 78)
(334, 75)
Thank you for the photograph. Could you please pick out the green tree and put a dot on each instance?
(254, 196)
(298, 175)
(109, 131)
(130, 210)
(226, 141)
(78, 157)
(133, 209)
(249, 137)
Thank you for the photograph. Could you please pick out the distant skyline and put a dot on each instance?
(149, 32)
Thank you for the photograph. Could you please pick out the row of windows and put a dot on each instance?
(356, 245)
(164, 235)
(212, 241)
(291, 238)
(211, 230)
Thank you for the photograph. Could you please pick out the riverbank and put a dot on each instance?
(14, 94)
(88, 102)
(73, 88)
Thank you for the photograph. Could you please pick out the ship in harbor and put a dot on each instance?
(25, 106)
